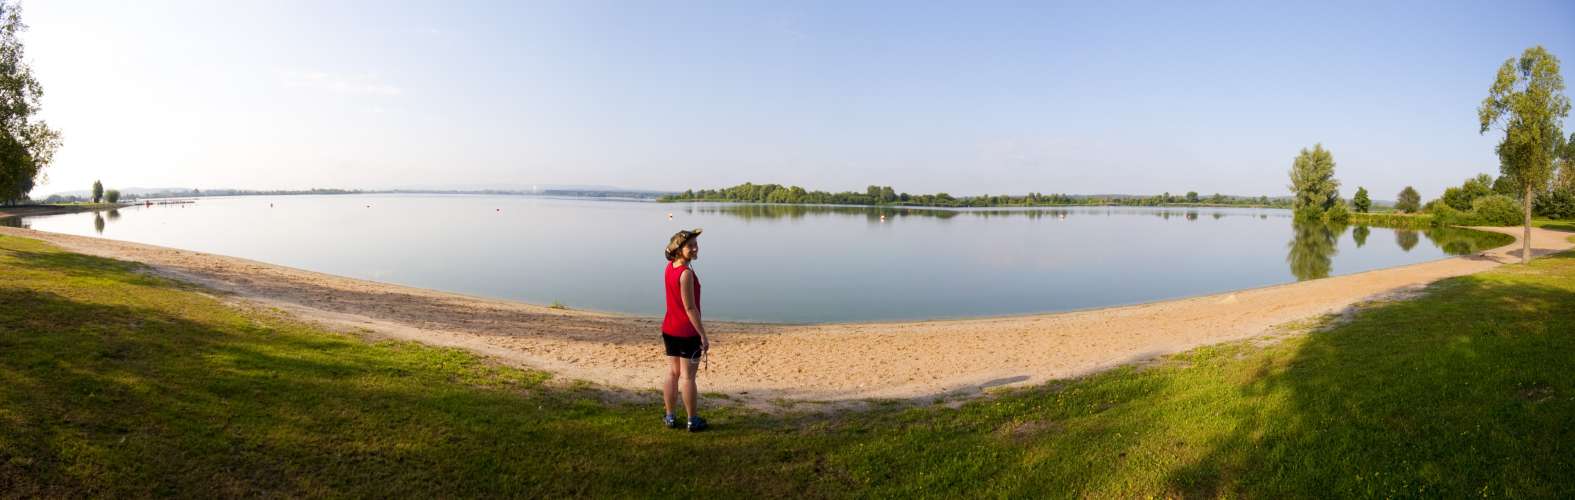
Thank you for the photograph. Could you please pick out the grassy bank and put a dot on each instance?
(115, 383)
(1392, 219)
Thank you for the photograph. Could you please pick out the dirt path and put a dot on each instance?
(808, 362)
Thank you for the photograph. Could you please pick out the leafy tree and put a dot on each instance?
(1192, 196)
(112, 196)
(1408, 201)
(1361, 201)
(1507, 186)
(26, 145)
(98, 191)
(1313, 182)
(1460, 198)
(1527, 101)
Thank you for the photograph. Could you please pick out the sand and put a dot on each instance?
(824, 362)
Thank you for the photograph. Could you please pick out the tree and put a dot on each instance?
(1192, 196)
(26, 145)
(1460, 198)
(98, 191)
(112, 196)
(1527, 101)
(1361, 201)
(1312, 181)
(1408, 200)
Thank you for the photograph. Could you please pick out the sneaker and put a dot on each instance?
(696, 424)
(670, 421)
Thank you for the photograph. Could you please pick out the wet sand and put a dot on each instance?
(822, 362)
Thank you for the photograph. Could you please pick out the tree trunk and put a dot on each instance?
(1525, 243)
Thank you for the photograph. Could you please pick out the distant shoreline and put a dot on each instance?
(36, 210)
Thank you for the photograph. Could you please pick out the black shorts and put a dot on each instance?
(683, 347)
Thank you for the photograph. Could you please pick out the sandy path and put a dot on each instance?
(815, 362)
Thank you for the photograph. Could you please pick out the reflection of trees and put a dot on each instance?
(114, 215)
(1360, 235)
(1312, 249)
(1455, 241)
(750, 211)
(1406, 238)
(98, 223)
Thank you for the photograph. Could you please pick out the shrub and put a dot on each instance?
(1556, 204)
(1337, 213)
(1445, 215)
(112, 196)
(1309, 213)
(1497, 210)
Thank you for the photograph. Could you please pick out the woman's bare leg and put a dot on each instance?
(670, 389)
(689, 386)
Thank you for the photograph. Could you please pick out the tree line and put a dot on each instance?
(884, 195)
(1536, 160)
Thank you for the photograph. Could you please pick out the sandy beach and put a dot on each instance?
(823, 362)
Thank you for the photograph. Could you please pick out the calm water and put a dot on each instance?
(776, 263)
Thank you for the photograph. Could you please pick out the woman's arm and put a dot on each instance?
(687, 283)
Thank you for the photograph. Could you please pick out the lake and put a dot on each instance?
(774, 262)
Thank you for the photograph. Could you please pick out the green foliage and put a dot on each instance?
(27, 146)
(1555, 204)
(1361, 201)
(1337, 214)
(1312, 180)
(1460, 198)
(1192, 196)
(1507, 186)
(1497, 210)
(98, 191)
(112, 196)
(1408, 201)
(1393, 220)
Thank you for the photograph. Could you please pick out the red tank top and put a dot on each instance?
(676, 323)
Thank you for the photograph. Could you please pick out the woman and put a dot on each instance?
(682, 332)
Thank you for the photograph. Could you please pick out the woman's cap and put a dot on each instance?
(680, 239)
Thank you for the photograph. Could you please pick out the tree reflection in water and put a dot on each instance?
(1312, 249)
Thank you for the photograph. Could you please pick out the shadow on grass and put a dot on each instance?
(87, 266)
(102, 400)
(1465, 392)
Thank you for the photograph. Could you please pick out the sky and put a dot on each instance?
(962, 97)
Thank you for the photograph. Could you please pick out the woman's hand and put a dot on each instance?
(705, 343)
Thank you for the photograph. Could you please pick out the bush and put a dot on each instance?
(1498, 210)
(112, 196)
(1309, 213)
(1337, 213)
(1557, 204)
(1445, 215)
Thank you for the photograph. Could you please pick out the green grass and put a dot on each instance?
(1556, 225)
(113, 383)
(1392, 219)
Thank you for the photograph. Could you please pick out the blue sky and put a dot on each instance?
(969, 98)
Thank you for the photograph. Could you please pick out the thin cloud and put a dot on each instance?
(365, 84)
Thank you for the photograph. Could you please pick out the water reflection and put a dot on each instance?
(98, 223)
(1314, 245)
(1312, 250)
(875, 214)
(1406, 238)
